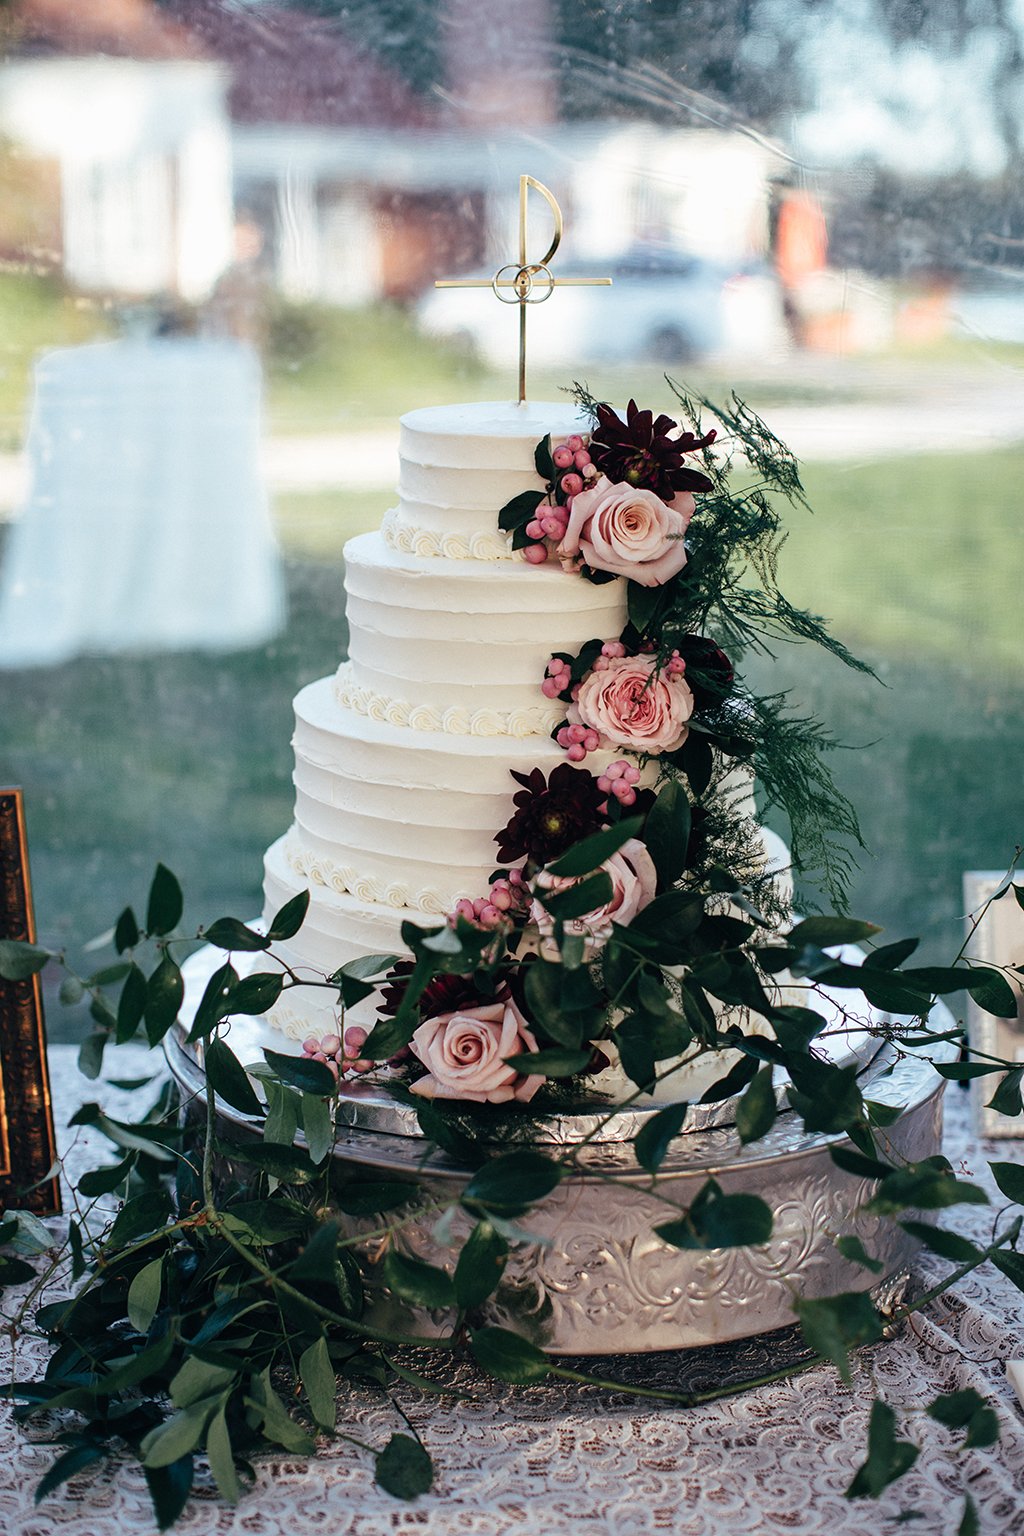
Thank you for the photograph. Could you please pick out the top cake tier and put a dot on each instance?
(460, 464)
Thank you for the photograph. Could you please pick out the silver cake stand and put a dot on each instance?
(592, 1278)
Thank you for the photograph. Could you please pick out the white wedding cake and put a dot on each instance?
(403, 757)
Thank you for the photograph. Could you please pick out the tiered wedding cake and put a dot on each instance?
(403, 757)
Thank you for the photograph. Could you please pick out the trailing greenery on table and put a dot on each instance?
(193, 1315)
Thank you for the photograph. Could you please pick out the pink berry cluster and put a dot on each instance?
(340, 1055)
(506, 897)
(577, 740)
(557, 678)
(609, 652)
(573, 471)
(620, 779)
(675, 666)
(573, 458)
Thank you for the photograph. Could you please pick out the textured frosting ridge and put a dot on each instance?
(457, 720)
(346, 880)
(429, 544)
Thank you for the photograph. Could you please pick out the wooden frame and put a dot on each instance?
(27, 1146)
(997, 940)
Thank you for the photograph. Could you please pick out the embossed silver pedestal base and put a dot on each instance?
(595, 1280)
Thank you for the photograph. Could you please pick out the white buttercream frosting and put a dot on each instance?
(455, 721)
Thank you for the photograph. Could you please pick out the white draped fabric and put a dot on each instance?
(147, 525)
(557, 1461)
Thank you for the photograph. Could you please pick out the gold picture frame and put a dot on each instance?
(28, 1149)
(998, 939)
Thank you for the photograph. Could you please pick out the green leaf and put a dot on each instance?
(755, 1112)
(289, 1165)
(508, 1356)
(70, 991)
(422, 1284)
(229, 933)
(403, 1468)
(177, 1436)
(145, 1365)
(519, 511)
(165, 904)
(284, 1106)
(642, 605)
(542, 460)
(318, 1261)
(1010, 1179)
(968, 1410)
(220, 1457)
(90, 1054)
(853, 1249)
(165, 991)
(77, 1246)
(68, 1465)
(198, 1380)
(834, 1325)
(888, 956)
(318, 1125)
(667, 832)
(510, 1184)
(1011, 1265)
(143, 1213)
(367, 1198)
(969, 1525)
(302, 1072)
(824, 932)
(278, 1425)
(1007, 1098)
(923, 1186)
(131, 1005)
(15, 1271)
(543, 984)
(144, 1295)
(480, 1267)
(589, 854)
(19, 961)
(216, 1002)
(320, 1382)
(126, 931)
(965, 1071)
(888, 1458)
(169, 1488)
(654, 1139)
(948, 1245)
(256, 993)
(717, 1220)
(577, 900)
(227, 1077)
(827, 1098)
(993, 993)
(365, 966)
(555, 1062)
(290, 918)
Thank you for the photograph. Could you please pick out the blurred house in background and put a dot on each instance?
(165, 126)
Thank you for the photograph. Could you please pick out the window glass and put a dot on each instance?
(220, 224)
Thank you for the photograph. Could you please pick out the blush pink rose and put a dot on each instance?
(631, 704)
(464, 1054)
(634, 882)
(628, 531)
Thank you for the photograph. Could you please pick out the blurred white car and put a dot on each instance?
(664, 307)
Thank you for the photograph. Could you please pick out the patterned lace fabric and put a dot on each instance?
(570, 1462)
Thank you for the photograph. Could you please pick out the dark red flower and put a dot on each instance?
(551, 815)
(640, 452)
(442, 994)
(709, 672)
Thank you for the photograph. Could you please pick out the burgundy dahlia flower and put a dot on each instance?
(551, 815)
(640, 452)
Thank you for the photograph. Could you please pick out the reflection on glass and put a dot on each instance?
(821, 205)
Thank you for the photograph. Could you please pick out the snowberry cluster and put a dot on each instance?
(573, 471)
(340, 1055)
(557, 678)
(620, 779)
(609, 651)
(675, 666)
(572, 457)
(577, 740)
(506, 897)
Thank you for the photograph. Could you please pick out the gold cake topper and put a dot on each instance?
(530, 282)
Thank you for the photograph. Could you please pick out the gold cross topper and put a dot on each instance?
(530, 282)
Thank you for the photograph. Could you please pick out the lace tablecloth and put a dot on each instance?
(563, 1462)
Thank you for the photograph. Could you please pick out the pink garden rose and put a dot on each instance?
(631, 704)
(634, 881)
(629, 531)
(464, 1053)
